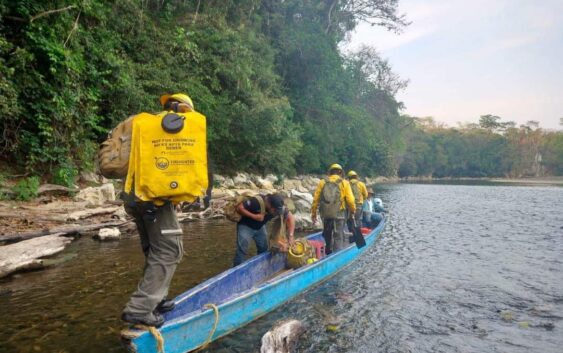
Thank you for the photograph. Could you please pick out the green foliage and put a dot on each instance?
(553, 153)
(492, 149)
(65, 175)
(278, 94)
(280, 178)
(27, 188)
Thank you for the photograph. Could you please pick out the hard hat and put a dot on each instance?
(180, 97)
(335, 166)
(378, 201)
(352, 174)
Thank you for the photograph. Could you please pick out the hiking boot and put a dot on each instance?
(165, 306)
(152, 319)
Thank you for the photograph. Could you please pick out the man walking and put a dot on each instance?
(332, 196)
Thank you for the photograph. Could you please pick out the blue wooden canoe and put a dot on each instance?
(241, 294)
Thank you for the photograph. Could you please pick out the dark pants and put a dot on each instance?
(333, 233)
(161, 241)
(245, 235)
(371, 219)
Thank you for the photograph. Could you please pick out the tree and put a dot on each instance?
(345, 14)
(489, 122)
(376, 70)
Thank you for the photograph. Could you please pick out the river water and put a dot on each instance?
(459, 268)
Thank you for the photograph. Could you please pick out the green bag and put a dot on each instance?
(330, 199)
(230, 209)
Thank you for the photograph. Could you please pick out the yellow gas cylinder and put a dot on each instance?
(299, 254)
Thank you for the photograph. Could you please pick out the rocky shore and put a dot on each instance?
(31, 232)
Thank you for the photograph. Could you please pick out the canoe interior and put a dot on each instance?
(232, 283)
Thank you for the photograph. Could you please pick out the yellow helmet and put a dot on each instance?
(352, 174)
(180, 97)
(335, 166)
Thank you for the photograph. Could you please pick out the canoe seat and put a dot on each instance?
(319, 246)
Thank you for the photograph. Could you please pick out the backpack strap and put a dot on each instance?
(327, 180)
(260, 199)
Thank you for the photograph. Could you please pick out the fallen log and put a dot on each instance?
(59, 230)
(26, 255)
(74, 216)
(34, 216)
(52, 188)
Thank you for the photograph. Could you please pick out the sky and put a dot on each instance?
(467, 58)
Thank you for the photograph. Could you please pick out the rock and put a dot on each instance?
(283, 337)
(119, 214)
(299, 195)
(218, 178)
(310, 182)
(106, 234)
(271, 178)
(27, 254)
(303, 222)
(302, 206)
(219, 194)
(264, 184)
(289, 184)
(228, 183)
(241, 179)
(97, 196)
(246, 192)
(90, 177)
(108, 191)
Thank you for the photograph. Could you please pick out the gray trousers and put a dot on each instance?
(358, 215)
(333, 233)
(161, 241)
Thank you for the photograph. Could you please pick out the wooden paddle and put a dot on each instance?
(356, 233)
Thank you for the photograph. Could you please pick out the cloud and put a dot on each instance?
(384, 40)
(517, 41)
(467, 58)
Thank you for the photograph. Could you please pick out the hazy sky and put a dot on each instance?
(469, 58)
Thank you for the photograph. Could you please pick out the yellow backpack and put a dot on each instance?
(168, 164)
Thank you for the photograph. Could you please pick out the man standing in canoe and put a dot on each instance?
(255, 212)
(360, 194)
(332, 196)
(155, 183)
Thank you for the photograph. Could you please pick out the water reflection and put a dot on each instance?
(459, 268)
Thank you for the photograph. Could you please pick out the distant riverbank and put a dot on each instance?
(552, 180)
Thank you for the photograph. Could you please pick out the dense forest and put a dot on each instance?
(279, 94)
(491, 148)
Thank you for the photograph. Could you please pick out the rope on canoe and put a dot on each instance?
(156, 334)
(216, 314)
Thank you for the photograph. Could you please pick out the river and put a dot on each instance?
(459, 268)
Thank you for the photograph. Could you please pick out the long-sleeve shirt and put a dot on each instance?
(346, 195)
(372, 207)
(363, 191)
